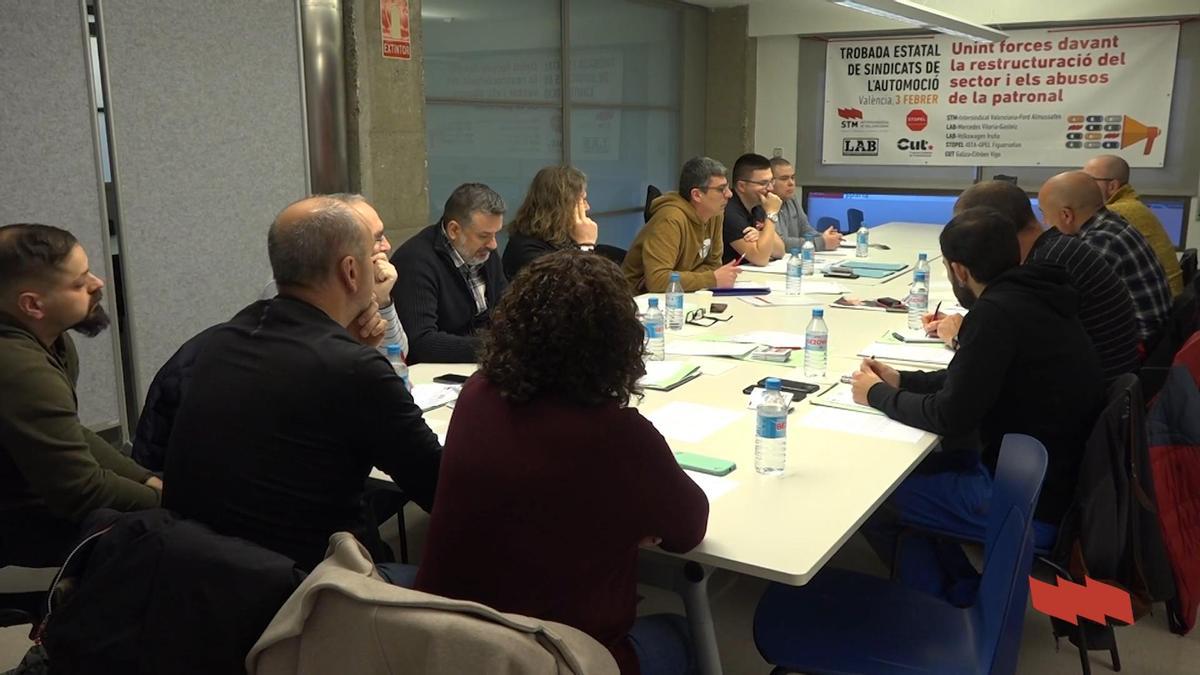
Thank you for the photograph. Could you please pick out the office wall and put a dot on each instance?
(49, 171)
(777, 96)
(732, 70)
(208, 144)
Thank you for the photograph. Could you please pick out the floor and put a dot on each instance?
(1147, 648)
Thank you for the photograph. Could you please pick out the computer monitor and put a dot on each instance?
(847, 208)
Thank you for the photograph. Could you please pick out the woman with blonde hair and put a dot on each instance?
(553, 217)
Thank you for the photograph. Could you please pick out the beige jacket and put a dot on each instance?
(346, 619)
(674, 240)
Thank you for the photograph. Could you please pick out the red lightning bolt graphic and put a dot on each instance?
(1093, 600)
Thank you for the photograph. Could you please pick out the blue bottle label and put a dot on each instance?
(675, 301)
(772, 427)
(653, 331)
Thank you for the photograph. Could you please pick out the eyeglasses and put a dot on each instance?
(759, 183)
(698, 317)
(722, 187)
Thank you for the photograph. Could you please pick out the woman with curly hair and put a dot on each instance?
(553, 217)
(549, 481)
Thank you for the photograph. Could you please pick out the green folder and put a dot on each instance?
(873, 270)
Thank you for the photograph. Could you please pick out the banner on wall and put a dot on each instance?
(1044, 97)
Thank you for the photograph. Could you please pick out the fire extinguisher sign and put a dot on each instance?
(396, 29)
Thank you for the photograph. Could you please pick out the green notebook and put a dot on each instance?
(666, 375)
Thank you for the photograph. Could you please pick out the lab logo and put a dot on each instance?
(860, 147)
(914, 145)
(916, 119)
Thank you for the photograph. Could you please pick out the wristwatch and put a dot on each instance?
(587, 247)
(773, 217)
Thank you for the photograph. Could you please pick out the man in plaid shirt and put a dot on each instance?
(1073, 203)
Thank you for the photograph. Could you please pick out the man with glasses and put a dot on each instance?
(750, 217)
(793, 226)
(684, 234)
(1111, 173)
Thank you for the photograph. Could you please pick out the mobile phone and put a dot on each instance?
(717, 307)
(890, 302)
(841, 273)
(710, 465)
(800, 389)
(450, 378)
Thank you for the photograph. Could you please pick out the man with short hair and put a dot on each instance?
(288, 408)
(750, 216)
(1111, 174)
(684, 234)
(53, 469)
(451, 280)
(1072, 202)
(1105, 306)
(1024, 365)
(793, 226)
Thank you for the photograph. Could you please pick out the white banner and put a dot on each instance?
(1045, 97)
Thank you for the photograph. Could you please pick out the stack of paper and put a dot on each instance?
(862, 425)
(841, 395)
(771, 338)
(666, 375)
(430, 396)
(928, 353)
(692, 422)
(707, 348)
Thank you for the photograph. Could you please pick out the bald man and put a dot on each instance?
(1111, 174)
(1073, 203)
(288, 407)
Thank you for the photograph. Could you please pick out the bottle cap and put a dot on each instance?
(818, 312)
(772, 384)
(674, 276)
(653, 303)
(794, 251)
(922, 256)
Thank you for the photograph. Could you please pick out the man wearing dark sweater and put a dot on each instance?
(53, 470)
(449, 281)
(287, 410)
(1024, 365)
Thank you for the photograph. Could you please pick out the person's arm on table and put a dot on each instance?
(659, 254)
(395, 435)
(673, 507)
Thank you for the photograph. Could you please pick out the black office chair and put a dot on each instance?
(1183, 320)
(384, 499)
(826, 222)
(613, 253)
(854, 219)
(652, 193)
(1187, 262)
(20, 606)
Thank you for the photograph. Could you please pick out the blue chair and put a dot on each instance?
(845, 622)
(854, 217)
(826, 222)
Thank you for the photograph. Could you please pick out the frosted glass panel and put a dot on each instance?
(622, 150)
(619, 229)
(500, 146)
(625, 53)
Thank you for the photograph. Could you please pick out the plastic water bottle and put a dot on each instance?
(922, 266)
(394, 358)
(675, 302)
(770, 432)
(656, 346)
(816, 344)
(794, 273)
(918, 301)
(862, 242)
(807, 254)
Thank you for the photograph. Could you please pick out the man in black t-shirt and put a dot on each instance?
(749, 228)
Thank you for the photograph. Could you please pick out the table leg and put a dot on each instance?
(692, 586)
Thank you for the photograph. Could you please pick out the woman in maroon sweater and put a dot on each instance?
(549, 482)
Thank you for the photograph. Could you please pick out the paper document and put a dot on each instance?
(814, 286)
(778, 300)
(859, 424)
(841, 395)
(773, 267)
(771, 338)
(692, 422)
(716, 366)
(713, 486)
(666, 375)
(707, 348)
(433, 395)
(931, 354)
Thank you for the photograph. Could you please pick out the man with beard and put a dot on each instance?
(1024, 365)
(53, 469)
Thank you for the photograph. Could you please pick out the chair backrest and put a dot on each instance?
(826, 222)
(1182, 322)
(652, 193)
(999, 612)
(1188, 263)
(613, 253)
(854, 219)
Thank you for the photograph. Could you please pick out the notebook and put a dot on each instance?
(666, 375)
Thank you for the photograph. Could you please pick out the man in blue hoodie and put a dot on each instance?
(1024, 365)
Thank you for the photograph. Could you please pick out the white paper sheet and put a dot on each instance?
(706, 348)
(433, 395)
(860, 424)
(713, 486)
(780, 300)
(931, 354)
(692, 422)
(716, 366)
(773, 267)
(660, 373)
(771, 338)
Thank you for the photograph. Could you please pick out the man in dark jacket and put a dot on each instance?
(287, 410)
(449, 281)
(1024, 365)
(53, 470)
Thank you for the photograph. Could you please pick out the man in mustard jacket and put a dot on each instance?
(53, 469)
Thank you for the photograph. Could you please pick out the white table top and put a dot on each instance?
(784, 528)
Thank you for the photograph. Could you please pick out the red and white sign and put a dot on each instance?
(396, 29)
(917, 120)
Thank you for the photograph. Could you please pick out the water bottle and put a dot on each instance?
(922, 266)
(794, 272)
(396, 358)
(655, 340)
(807, 254)
(918, 301)
(862, 241)
(816, 345)
(675, 303)
(770, 432)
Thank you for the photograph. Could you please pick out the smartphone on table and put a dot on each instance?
(800, 389)
(451, 378)
(704, 464)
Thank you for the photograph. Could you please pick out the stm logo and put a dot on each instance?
(917, 144)
(850, 113)
(860, 147)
